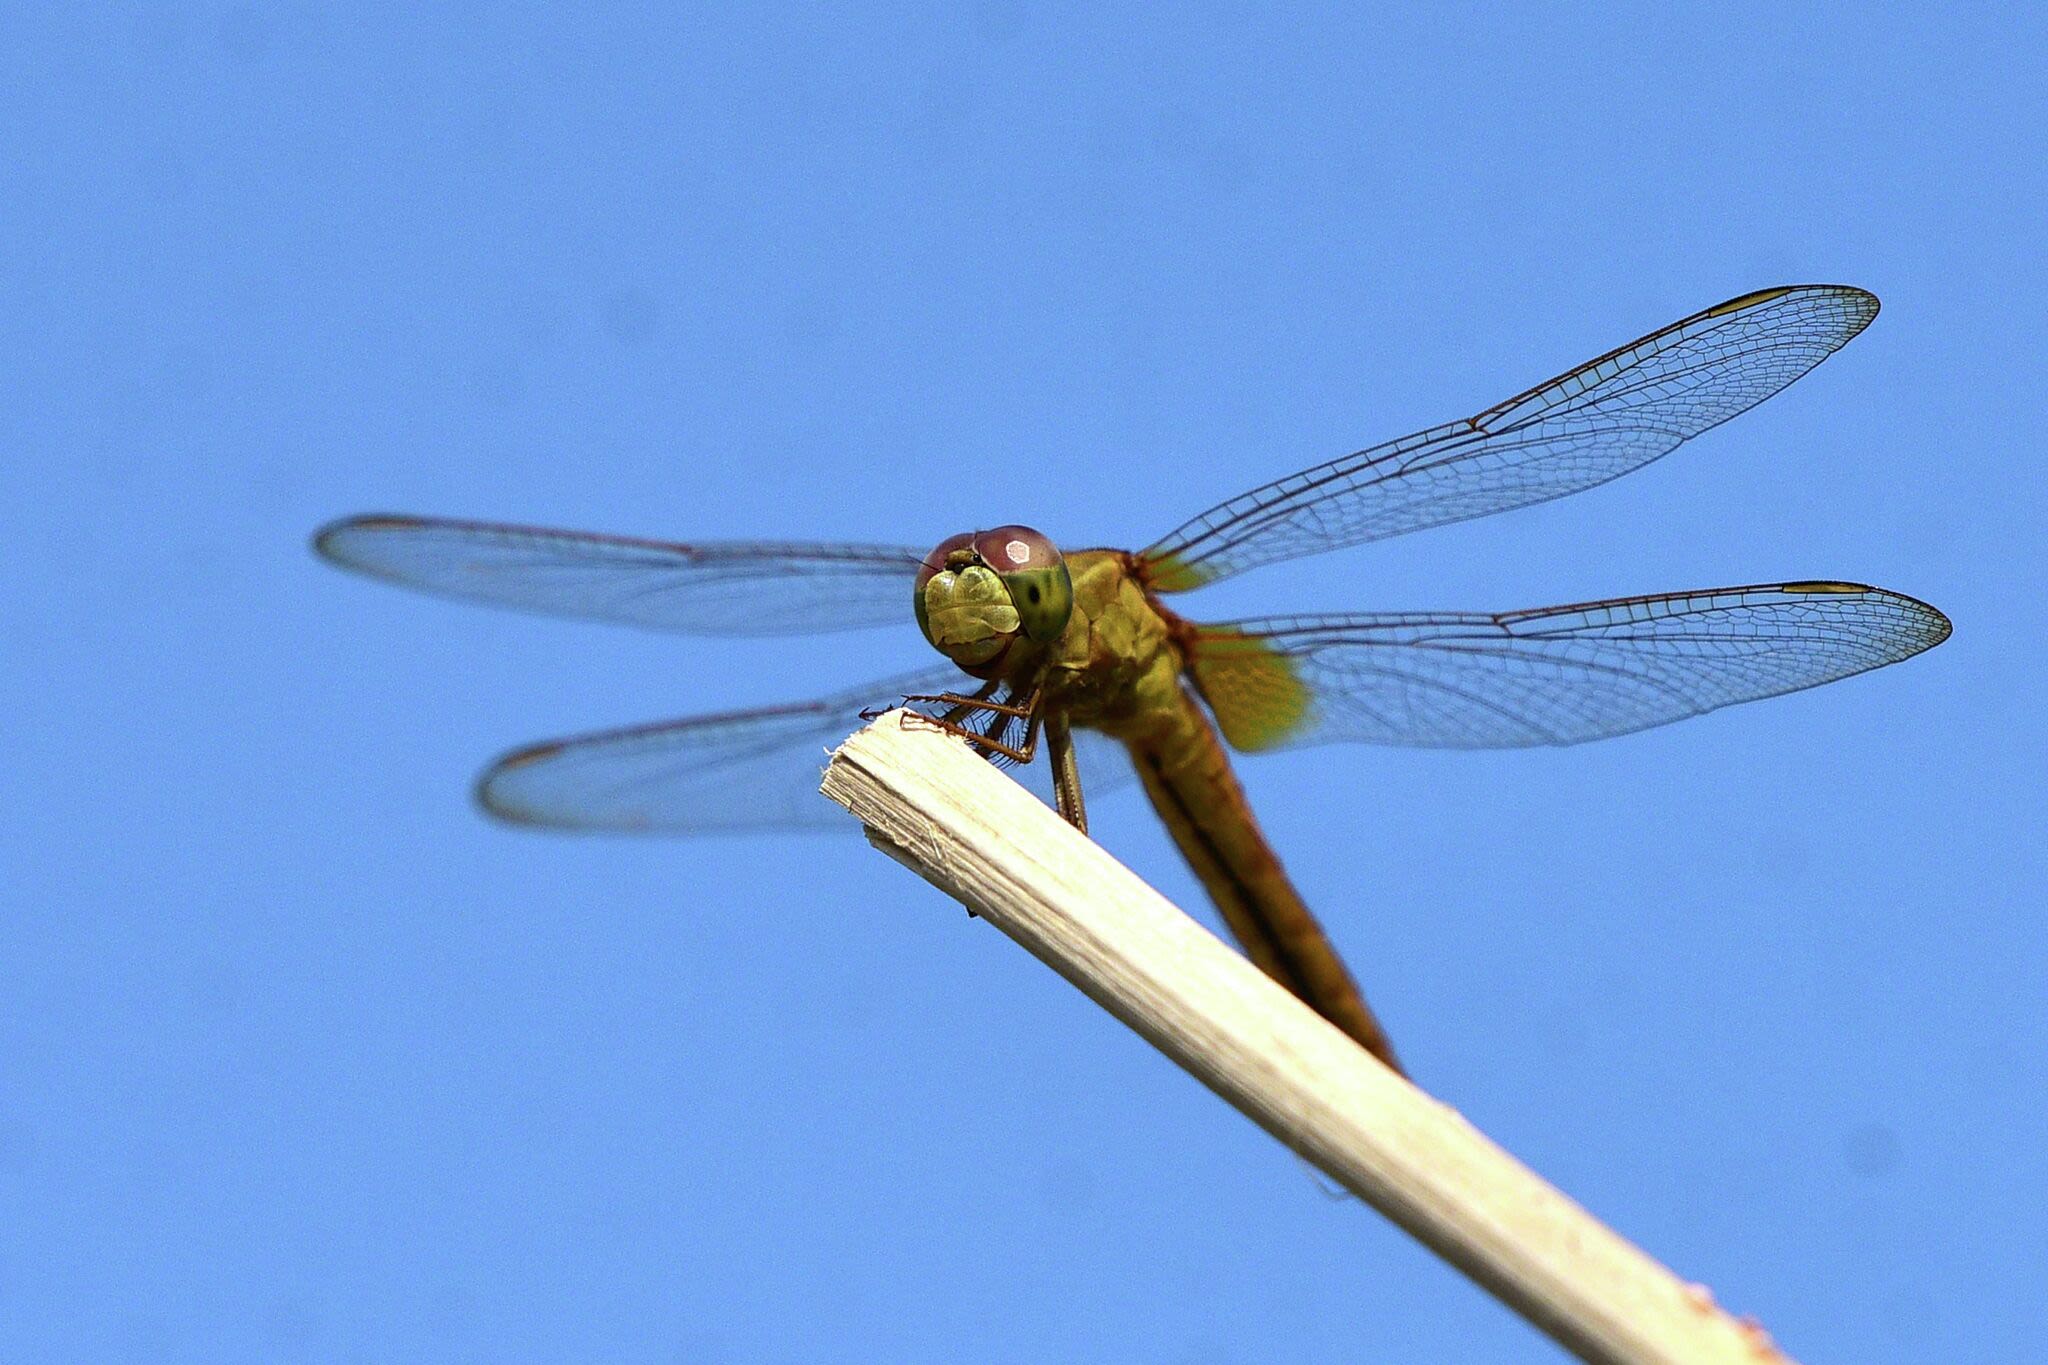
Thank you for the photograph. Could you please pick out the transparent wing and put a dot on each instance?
(737, 772)
(1558, 675)
(1601, 420)
(733, 772)
(719, 588)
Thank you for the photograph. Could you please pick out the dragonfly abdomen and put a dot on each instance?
(1188, 778)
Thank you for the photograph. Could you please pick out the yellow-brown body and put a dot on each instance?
(1122, 667)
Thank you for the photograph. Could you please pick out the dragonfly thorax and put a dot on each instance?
(978, 591)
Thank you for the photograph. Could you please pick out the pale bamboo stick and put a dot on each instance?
(962, 825)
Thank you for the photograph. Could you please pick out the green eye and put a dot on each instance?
(1044, 599)
(1029, 567)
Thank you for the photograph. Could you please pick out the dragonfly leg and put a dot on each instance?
(1031, 729)
(981, 741)
(979, 702)
(988, 690)
(954, 721)
(1066, 772)
(960, 705)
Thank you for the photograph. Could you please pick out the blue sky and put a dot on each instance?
(305, 1060)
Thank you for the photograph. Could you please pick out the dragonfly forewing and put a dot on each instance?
(709, 588)
(1594, 423)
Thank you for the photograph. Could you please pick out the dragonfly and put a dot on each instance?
(1080, 654)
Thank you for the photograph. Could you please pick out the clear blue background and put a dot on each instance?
(304, 1060)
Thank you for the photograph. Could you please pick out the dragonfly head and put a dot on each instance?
(978, 591)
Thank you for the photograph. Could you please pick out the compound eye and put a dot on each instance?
(1035, 573)
(1008, 549)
